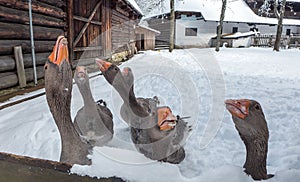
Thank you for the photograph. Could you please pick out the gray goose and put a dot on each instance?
(249, 120)
(155, 131)
(94, 122)
(58, 87)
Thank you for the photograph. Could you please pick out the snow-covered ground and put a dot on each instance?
(193, 82)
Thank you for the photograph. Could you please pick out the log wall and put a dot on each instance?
(49, 21)
(94, 28)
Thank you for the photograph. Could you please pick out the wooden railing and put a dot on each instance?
(269, 40)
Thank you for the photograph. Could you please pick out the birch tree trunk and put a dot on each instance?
(279, 26)
(220, 26)
(172, 26)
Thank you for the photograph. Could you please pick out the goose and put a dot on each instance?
(58, 87)
(93, 121)
(249, 120)
(155, 131)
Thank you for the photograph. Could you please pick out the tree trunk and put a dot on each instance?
(279, 26)
(172, 25)
(220, 26)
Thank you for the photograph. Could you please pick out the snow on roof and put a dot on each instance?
(236, 11)
(240, 35)
(135, 5)
(148, 28)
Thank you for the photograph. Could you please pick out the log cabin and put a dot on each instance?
(95, 28)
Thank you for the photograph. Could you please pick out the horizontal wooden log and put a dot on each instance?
(17, 31)
(6, 46)
(20, 16)
(8, 63)
(7, 80)
(10, 79)
(56, 3)
(37, 7)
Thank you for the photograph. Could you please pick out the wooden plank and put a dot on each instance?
(106, 28)
(87, 48)
(70, 16)
(20, 66)
(86, 20)
(27, 169)
(87, 24)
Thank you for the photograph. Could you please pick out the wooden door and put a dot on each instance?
(87, 38)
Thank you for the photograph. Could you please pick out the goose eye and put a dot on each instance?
(116, 69)
(257, 107)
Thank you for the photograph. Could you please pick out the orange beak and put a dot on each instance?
(238, 108)
(166, 120)
(60, 51)
(103, 65)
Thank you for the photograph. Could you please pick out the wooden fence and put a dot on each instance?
(269, 40)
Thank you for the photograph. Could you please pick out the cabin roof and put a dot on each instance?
(134, 5)
(236, 11)
(148, 28)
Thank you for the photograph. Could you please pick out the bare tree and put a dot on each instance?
(172, 25)
(148, 5)
(279, 16)
(220, 26)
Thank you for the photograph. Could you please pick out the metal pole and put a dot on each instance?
(32, 42)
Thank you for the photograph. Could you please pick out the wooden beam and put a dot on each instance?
(106, 31)
(87, 24)
(86, 20)
(70, 32)
(20, 66)
(77, 49)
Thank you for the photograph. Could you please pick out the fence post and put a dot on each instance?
(20, 66)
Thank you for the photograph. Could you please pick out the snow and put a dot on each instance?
(236, 11)
(193, 82)
(239, 34)
(135, 5)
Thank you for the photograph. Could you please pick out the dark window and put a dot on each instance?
(288, 31)
(191, 31)
(234, 29)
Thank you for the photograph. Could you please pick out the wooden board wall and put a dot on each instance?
(90, 42)
(123, 29)
(49, 21)
(162, 25)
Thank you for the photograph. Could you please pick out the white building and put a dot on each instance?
(197, 20)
